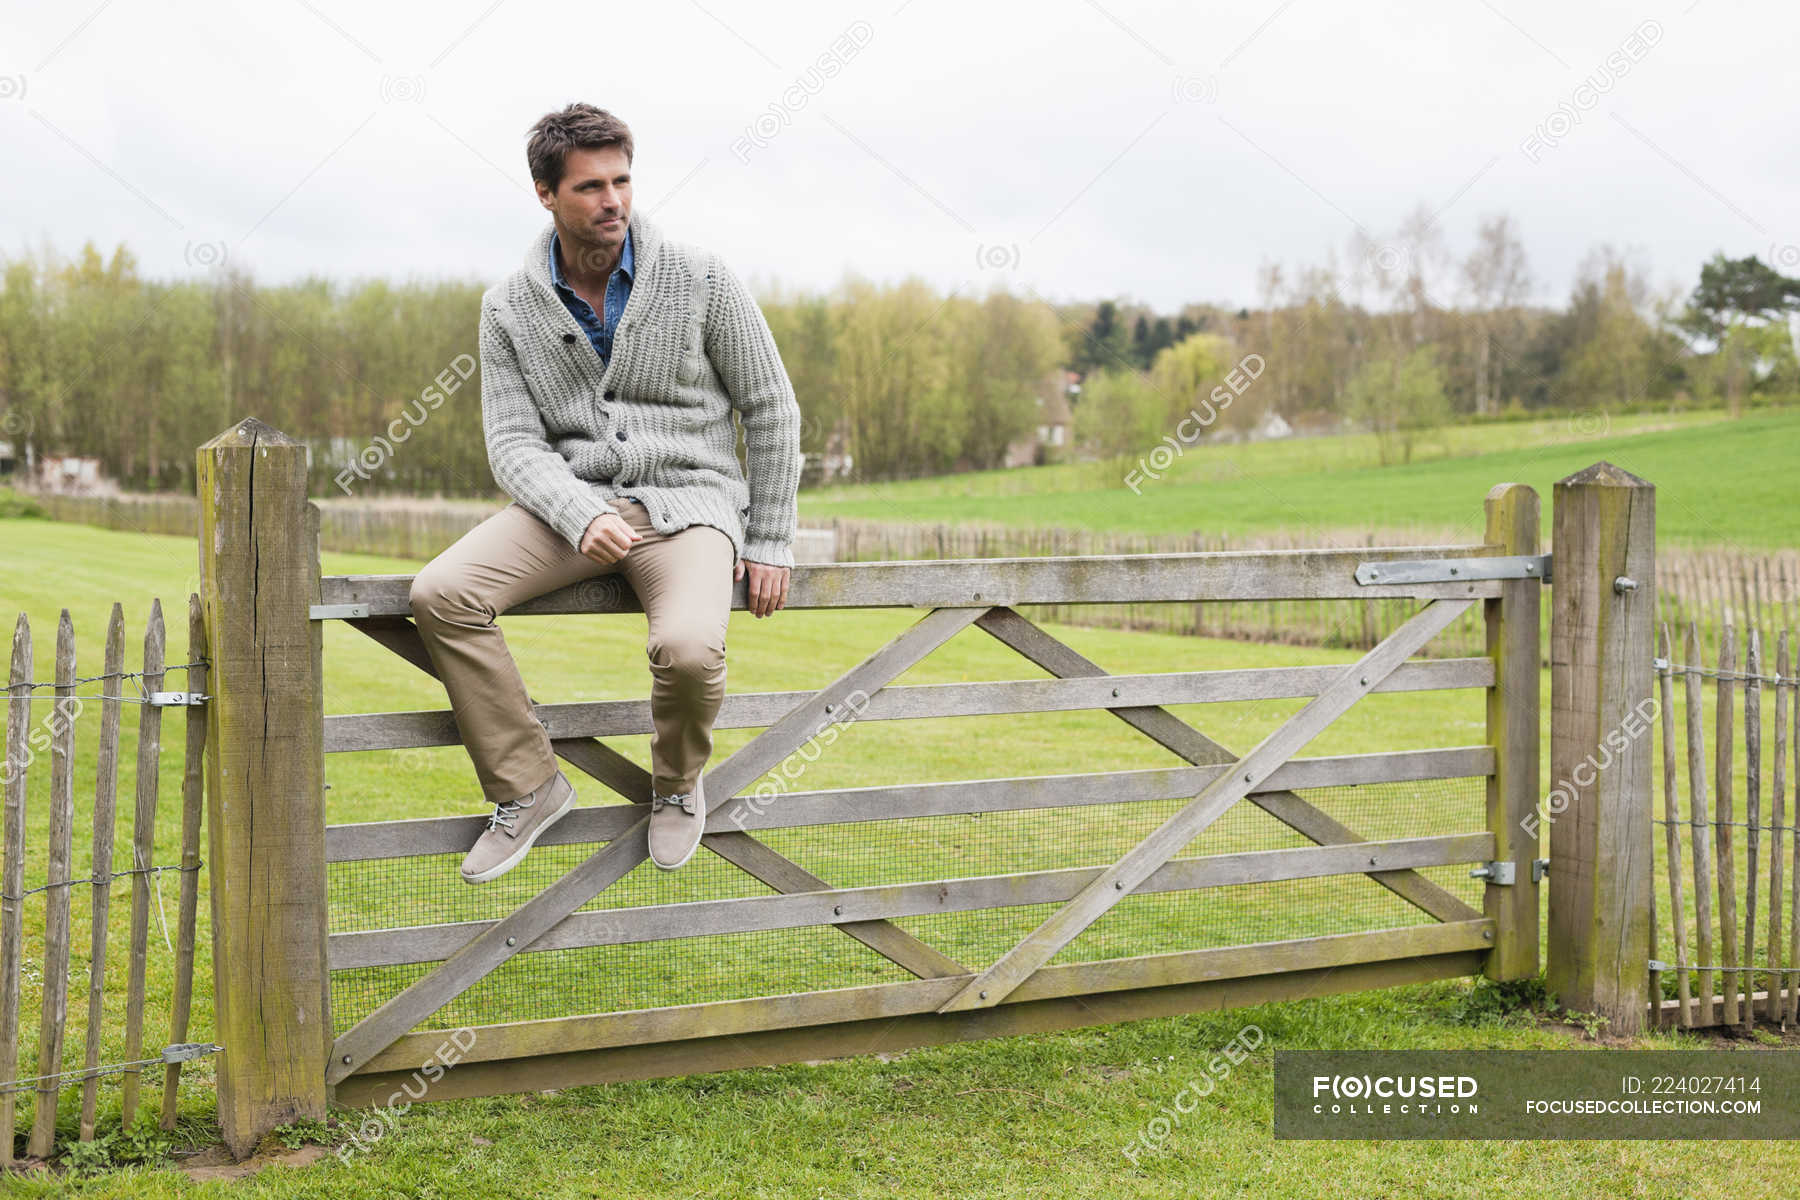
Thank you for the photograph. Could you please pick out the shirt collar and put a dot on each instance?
(626, 263)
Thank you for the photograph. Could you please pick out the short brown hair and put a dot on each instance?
(576, 127)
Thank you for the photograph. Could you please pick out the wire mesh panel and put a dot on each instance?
(383, 893)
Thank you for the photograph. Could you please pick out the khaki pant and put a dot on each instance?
(684, 583)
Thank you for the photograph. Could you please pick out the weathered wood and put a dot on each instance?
(143, 850)
(1793, 1005)
(1601, 644)
(1172, 733)
(56, 896)
(603, 822)
(1778, 822)
(192, 801)
(887, 1034)
(265, 781)
(12, 872)
(1707, 1018)
(1752, 817)
(614, 927)
(1672, 830)
(682, 1022)
(610, 863)
(1724, 815)
(1511, 622)
(621, 718)
(1701, 826)
(1163, 843)
(106, 788)
(628, 779)
(1050, 579)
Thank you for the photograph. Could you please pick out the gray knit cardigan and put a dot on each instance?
(566, 434)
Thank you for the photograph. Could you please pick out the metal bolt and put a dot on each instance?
(512, 941)
(1364, 681)
(978, 595)
(1115, 691)
(1453, 570)
(346, 1060)
(1623, 584)
(830, 708)
(1118, 885)
(1371, 860)
(1487, 935)
(837, 910)
(984, 995)
(1247, 776)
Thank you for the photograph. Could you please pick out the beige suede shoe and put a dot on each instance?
(676, 823)
(514, 826)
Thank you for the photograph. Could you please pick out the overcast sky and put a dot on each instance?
(1075, 148)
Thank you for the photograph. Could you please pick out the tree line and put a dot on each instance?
(1396, 335)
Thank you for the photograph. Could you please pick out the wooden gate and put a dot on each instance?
(945, 997)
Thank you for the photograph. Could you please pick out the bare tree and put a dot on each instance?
(1497, 281)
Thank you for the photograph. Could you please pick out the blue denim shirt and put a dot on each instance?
(599, 329)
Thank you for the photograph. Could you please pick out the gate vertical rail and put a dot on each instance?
(1511, 620)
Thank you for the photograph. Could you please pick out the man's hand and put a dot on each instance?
(608, 537)
(768, 585)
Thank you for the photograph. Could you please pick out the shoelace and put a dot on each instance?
(506, 810)
(682, 800)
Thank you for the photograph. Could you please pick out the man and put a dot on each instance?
(611, 363)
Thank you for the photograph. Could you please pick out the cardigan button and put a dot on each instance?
(620, 435)
(610, 393)
(569, 338)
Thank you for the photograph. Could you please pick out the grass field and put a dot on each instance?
(1014, 1117)
(1719, 482)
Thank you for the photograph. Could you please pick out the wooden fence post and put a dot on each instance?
(1513, 514)
(265, 809)
(1603, 608)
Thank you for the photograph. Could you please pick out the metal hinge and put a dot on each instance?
(1540, 867)
(1656, 964)
(337, 612)
(1455, 570)
(178, 699)
(1500, 873)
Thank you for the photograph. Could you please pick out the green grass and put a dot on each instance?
(1719, 482)
(1011, 1117)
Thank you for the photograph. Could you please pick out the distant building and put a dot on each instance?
(1273, 425)
(833, 463)
(69, 475)
(1056, 419)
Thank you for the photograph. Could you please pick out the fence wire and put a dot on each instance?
(381, 894)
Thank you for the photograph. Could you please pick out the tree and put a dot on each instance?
(1397, 399)
(1617, 352)
(1733, 297)
(1497, 281)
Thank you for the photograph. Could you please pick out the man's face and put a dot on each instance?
(592, 204)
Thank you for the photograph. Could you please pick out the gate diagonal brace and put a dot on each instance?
(1141, 861)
